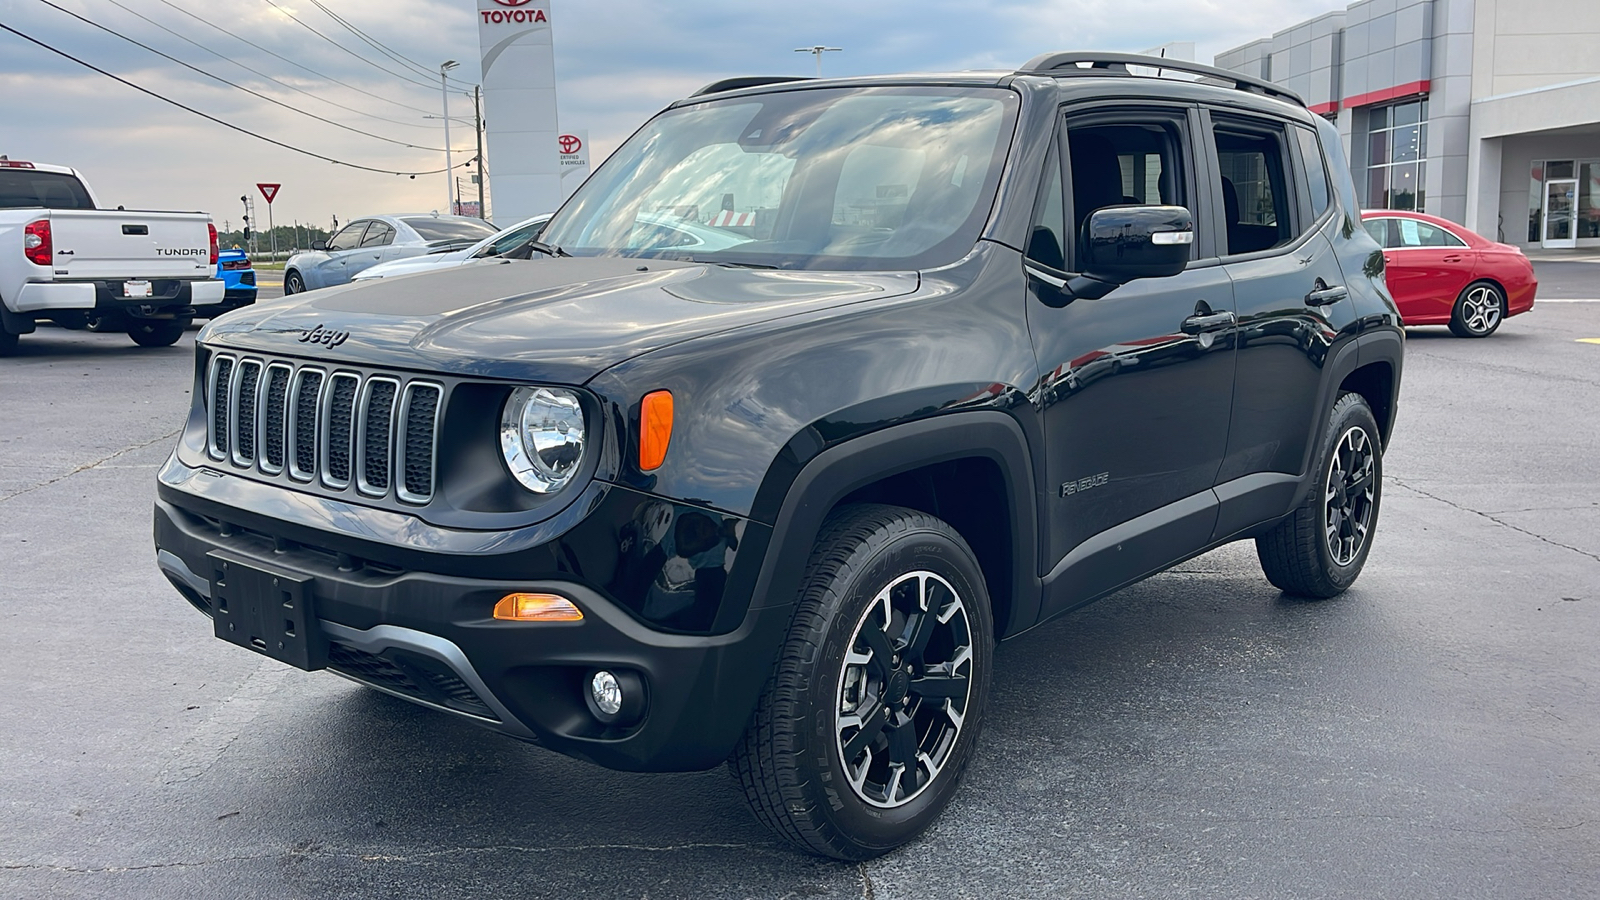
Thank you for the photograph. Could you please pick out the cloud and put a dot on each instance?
(617, 63)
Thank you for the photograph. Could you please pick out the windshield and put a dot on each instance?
(861, 178)
(30, 188)
(442, 229)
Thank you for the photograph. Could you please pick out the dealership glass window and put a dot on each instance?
(1397, 142)
(1588, 211)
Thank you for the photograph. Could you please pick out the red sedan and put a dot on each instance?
(1442, 274)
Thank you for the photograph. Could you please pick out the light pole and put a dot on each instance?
(817, 51)
(449, 176)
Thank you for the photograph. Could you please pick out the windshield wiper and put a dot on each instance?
(547, 249)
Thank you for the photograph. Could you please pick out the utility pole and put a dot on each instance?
(477, 116)
(817, 51)
(449, 175)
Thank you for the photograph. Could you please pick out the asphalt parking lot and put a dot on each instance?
(1433, 733)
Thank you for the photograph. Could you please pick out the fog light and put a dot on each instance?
(536, 608)
(606, 692)
(615, 698)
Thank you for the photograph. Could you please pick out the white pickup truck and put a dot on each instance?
(64, 259)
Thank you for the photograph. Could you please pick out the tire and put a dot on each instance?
(1305, 555)
(8, 342)
(293, 283)
(157, 333)
(871, 561)
(1478, 311)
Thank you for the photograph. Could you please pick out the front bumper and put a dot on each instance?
(429, 637)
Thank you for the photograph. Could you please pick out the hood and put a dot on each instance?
(411, 264)
(560, 321)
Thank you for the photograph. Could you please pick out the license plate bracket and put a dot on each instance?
(268, 610)
(136, 289)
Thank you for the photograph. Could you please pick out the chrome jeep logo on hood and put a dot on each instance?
(324, 336)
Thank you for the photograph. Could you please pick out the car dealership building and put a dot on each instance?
(1485, 112)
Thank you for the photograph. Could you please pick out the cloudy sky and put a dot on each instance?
(617, 62)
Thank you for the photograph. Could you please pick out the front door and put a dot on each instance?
(1135, 386)
(1560, 195)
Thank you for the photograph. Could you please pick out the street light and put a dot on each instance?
(449, 176)
(817, 51)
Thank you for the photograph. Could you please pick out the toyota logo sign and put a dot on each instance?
(570, 143)
(513, 2)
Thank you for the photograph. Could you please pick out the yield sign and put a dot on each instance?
(269, 191)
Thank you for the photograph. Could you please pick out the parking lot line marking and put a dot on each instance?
(1589, 340)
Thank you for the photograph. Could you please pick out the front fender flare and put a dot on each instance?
(834, 473)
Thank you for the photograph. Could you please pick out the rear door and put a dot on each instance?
(1277, 211)
(1135, 386)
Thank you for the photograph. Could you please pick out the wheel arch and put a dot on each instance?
(971, 469)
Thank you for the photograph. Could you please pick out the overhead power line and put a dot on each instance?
(255, 71)
(234, 85)
(260, 137)
(386, 50)
(291, 62)
(404, 76)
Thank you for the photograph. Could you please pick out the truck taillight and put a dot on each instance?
(36, 245)
(213, 229)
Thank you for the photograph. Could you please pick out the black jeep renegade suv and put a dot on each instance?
(810, 395)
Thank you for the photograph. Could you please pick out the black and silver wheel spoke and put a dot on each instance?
(904, 689)
(1348, 493)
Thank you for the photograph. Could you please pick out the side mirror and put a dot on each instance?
(1124, 243)
(319, 245)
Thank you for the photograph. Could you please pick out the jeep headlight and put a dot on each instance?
(541, 436)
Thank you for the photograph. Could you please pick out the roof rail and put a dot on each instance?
(744, 81)
(1089, 63)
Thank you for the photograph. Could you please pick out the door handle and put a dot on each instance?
(1201, 323)
(1322, 294)
(1452, 259)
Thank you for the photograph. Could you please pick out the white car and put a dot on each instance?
(494, 245)
(369, 241)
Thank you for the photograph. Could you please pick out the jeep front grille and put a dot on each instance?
(336, 429)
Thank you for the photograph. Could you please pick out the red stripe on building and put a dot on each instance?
(1402, 90)
(1323, 109)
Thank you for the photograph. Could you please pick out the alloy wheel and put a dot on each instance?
(1480, 309)
(1350, 490)
(904, 689)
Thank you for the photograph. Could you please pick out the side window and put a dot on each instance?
(1379, 229)
(1255, 192)
(1048, 238)
(348, 238)
(1413, 233)
(1316, 174)
(1128, 162)
(379, 234)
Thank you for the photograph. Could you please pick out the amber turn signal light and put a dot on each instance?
(536, 608)
(655, 429)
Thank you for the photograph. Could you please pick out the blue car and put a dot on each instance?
(239, 284)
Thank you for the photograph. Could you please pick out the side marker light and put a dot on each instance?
(536, 608)
(655, 429)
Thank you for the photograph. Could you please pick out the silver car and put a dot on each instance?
(500, 242)
(375, 239)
